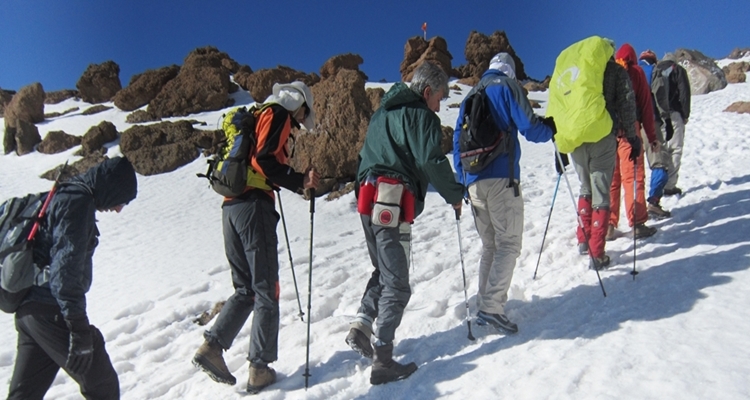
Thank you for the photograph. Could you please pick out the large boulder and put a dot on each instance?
(59, 96)
(162, 147)
(705, 76)
(97, 136)
(736, 72)
(344, 112)
(417, 50)
(27, 136)
(26, 105)
(5, 97)
(740, 107)
(739, 53)
(100, 82)
(144, 87)
(343, 61)
(57, 142)
(201, 85)
(260, 83)
(376, 96)
(478, 52)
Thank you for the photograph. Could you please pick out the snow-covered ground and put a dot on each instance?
(679, 330)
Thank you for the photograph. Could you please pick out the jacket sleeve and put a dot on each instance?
(273, 129)
(71, 254)
(643, 102)
(456, 150)
(684, 88)
(433, 163)
(523, 116)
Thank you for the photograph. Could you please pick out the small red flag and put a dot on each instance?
(424, 26)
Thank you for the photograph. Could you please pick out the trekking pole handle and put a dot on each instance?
(311, 194)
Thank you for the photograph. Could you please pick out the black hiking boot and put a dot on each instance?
(359, 342)
(260, 377)
(599, 263)
(583, 249)
(499, 321)
(674, 191)
(643, 231)
(385, 370)
(210, 360)
(656, 212)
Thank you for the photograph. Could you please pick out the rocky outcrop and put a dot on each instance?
(97, 136)
(57, 142)
(534, 86)
(736, 72)
(27, 105)
(343, 61)
(163, 147)
(201, 85)
(376, 96)
(740, 107)
(739, 53)
(478, 52)
(140, 116)
(27, 136)
(95, 109)
(417, 50)
(5, 97)
(344, 110)
(60, 113)
(144, 87)
(59, 96)
(100, 82)
(260, 83)
(67, 171)
(705, 76)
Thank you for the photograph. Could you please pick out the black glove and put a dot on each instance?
(550, 122)
(561, 168)
(635, 147)
(670, 129)
(81, 348)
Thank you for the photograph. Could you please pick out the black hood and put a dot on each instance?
(112, 182)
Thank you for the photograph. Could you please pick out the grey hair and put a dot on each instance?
(429, 74)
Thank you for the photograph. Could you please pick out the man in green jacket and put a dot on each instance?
(400, 157)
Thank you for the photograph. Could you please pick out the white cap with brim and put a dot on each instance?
(291, 96)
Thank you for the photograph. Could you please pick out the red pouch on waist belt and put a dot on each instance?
(386, 200)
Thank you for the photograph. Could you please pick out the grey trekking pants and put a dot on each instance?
(595, 163)
(250, 243)
(388, 291)
(674, 148)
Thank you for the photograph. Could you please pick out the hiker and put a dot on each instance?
(401, 155)
(494, 191)
(627, 171)
(52, 322)
(249, 225)
(670, 79)
(658, 158)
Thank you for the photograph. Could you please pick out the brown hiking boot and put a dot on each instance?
(599, 263)
(210, 360)
(656, 212)
(385, 370)
(643, 231)
(260, 377)
(611, 233)
(359, 342)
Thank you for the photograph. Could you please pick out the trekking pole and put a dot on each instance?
(635, 197)
(547, 227)
(291, 261)
(580, 221)
(309, 284)
(463, 272)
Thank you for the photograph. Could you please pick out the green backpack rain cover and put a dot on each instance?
(576, 94)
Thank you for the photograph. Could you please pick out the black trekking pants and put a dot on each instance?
(43, 341)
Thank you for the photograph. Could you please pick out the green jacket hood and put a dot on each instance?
(399, 94)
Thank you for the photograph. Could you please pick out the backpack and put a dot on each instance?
(228, 171)
(19, 221)
(480, 140)
(576, 94)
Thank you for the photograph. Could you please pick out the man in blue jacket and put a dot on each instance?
(52, 323)
(495, 196)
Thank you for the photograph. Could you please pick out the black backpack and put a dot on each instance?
(481, 141)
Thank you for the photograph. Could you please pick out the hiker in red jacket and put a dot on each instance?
(626, 171)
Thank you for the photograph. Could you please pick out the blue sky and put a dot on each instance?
(52, 41)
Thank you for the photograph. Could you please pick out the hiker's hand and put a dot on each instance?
(81, 346)
(635, 147)
(655, 146)
(457, 208)
(550, 122)
(670, 129)
(312, 179)
(561, 168)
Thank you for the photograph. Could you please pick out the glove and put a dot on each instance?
(81, 348)
(550, 122)
(670, 129)
(561, 168)
(635, 147)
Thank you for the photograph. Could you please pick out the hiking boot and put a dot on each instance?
(656, 212)
(260, 377)
(599, 263)
(583, 249)
(359, 342)
(643, 231)
(499, 321)
(673, 191)
(610, 233)
(385, 370)
(209, 359)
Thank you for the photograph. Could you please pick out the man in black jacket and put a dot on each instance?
(52, 323)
